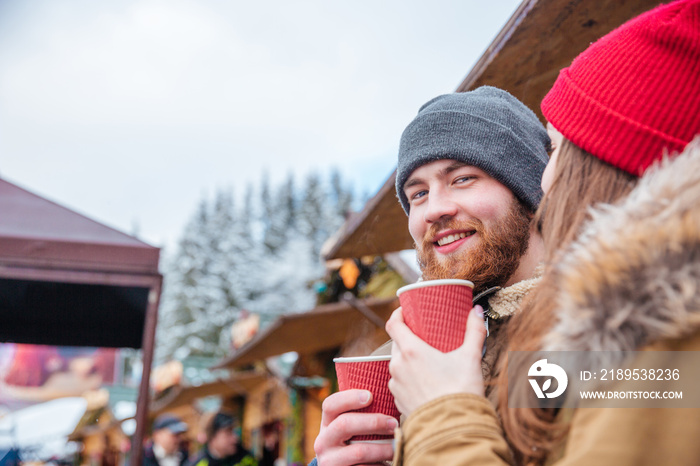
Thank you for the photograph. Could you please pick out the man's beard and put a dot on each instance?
(492, 261)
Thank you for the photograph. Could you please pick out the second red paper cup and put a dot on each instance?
(369, 373)
(437, 311)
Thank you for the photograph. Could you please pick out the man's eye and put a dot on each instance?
(464, 179)
(418, 194)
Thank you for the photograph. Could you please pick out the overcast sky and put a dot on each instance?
(131, 111)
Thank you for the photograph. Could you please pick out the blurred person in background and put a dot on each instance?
(223, 446)
(165, 446)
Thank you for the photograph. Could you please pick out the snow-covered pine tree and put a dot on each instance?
(230, 245)
(311, 218)
(262, 257)
(182, 305)
(342, 198)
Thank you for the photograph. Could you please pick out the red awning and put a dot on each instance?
(68, 280)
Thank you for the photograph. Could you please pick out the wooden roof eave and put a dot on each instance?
(325, 327)
(380, 227)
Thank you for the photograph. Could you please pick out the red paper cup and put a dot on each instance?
(369, 373)
(437, 311)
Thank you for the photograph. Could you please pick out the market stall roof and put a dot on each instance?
(68, 280)
(539, 39)
(239, 383)
(380, 227)
(325, 327)
(40, 424)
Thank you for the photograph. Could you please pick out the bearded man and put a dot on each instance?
(468, 177)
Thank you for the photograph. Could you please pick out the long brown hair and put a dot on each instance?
(580, 181)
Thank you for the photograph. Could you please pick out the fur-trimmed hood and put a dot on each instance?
(633, 276)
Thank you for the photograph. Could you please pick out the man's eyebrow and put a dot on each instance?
(411, 182)
(453, 166)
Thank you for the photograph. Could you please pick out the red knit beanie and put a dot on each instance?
(635, 93)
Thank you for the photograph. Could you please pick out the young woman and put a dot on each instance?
(620, 278)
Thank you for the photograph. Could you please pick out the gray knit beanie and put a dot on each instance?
(487, 128)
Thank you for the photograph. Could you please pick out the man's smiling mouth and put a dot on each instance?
(452, 238)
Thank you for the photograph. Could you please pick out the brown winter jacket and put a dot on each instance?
(631, 281)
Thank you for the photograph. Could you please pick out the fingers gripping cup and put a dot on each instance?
(369, 373)
(437, 311)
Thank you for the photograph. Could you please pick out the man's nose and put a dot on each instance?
(440, 206)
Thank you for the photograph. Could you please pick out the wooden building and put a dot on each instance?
(353, 327)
